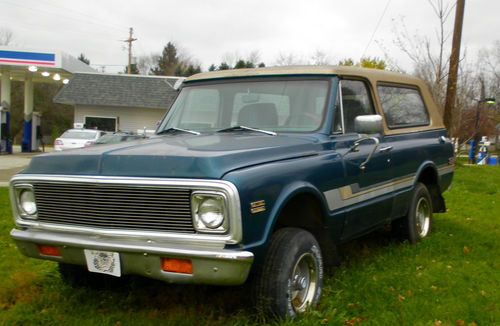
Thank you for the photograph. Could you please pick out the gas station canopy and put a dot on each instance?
(31, 66)
(44, 66)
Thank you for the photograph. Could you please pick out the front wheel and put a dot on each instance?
(417, 224)
(292, 274)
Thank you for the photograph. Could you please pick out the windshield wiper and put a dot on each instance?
(240, 128)
(173, 129)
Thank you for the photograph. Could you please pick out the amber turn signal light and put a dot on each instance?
(49, 251)
(175, 265)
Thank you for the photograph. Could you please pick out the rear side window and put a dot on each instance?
(403, 107)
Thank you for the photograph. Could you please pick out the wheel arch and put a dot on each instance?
(429, 176)
(298, 200)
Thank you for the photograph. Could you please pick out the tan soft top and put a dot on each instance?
(374, 76)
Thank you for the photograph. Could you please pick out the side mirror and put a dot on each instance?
(368, 124)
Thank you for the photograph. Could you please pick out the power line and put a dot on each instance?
(38, 10)
(376, 28)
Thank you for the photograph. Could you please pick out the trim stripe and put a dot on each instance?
(20, 55)
(35, 63)
(350, 194)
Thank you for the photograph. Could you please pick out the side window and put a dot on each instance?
(356, 100)
(403, 107)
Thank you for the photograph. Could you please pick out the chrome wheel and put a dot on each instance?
(304, 282)
(423, 217)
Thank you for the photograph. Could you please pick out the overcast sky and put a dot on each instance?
(209, 30)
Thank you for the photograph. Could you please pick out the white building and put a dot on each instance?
(118, 102)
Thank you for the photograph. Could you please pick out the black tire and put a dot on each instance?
(79, 276)
(417, 224)
(292, 275)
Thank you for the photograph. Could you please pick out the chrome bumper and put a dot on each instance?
(143, 257)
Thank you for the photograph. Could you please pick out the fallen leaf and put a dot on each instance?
(460, 322)
(409, 293)
(467, 250)
(434, 288)
(401, 298)
(438, 323)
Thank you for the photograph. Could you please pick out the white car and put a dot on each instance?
(76, 138)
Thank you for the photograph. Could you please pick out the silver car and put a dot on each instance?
(77, 138)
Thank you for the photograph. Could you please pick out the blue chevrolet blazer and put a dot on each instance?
(258, 172)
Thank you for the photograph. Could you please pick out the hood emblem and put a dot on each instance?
(258, 206)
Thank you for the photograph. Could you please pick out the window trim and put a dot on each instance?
(371, 98)
(405, 86)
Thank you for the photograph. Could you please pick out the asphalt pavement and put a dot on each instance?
(10, 164)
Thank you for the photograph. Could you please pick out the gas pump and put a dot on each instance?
(5, 142)
(36, 132)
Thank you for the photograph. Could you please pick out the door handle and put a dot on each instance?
(385, 149)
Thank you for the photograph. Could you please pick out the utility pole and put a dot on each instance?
(129, 41)
(451, 89)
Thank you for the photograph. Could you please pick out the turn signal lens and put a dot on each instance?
(174, 265)
(49, 251)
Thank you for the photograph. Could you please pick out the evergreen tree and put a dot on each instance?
(261, 65)
(240, 64)
(84, 59)
(212, 67)
(168, 62)
(224, 66)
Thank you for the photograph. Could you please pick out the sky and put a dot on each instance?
(210, 31)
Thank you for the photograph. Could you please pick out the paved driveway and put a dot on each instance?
(11, 164)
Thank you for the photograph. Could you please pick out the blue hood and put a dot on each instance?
(176, 156)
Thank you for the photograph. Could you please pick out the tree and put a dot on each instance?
(368, 62)
(320, 58)
(261, 65)
(287, 59)
(212, 67)
(346, 62)
(224, 66)
(134, 70)
(84, 59)
(168, 61)
(374, 63)
(5, 36)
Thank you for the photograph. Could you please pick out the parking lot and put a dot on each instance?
(13, 163)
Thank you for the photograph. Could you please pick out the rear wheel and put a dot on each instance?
(417, 224)
(292, 275)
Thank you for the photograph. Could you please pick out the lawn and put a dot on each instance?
(451, 278)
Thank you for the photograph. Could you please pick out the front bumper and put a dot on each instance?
(211, 265)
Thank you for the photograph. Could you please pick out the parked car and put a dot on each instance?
(77, 138)
(117, 137)
(253, 171)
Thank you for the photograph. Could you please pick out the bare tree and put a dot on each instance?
(5, 36)
(320, 58)
(430, 57)
(147, 62)
(287, 59)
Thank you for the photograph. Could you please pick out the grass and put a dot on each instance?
(450, 278)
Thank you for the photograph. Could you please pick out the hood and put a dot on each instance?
(176, 156)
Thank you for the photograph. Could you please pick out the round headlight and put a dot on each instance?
(211, 213)
(27, 202)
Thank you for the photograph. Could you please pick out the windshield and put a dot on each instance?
(279, 105)
(79, 134)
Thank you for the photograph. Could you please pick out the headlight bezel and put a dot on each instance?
(19, 190)
(197, 200)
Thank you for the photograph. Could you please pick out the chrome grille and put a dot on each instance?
(115, 206)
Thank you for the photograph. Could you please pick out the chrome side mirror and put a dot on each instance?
(368, 124)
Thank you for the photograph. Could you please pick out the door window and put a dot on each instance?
(356, 100)
(403, 107)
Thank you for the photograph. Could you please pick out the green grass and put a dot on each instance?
(450, 278)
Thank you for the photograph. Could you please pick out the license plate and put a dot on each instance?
(105, 262)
